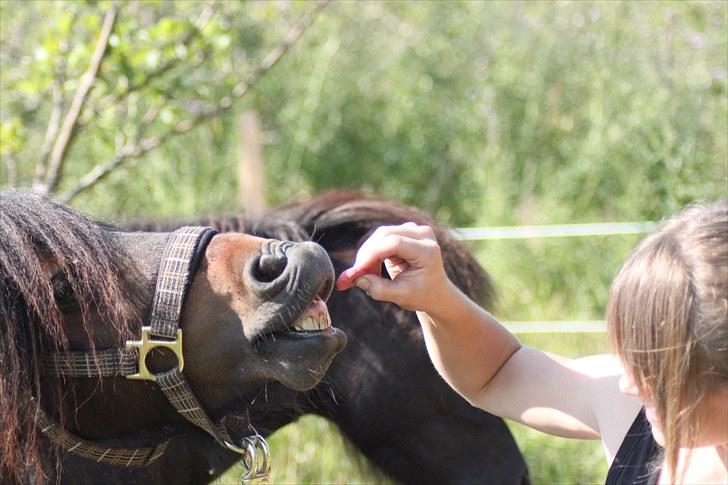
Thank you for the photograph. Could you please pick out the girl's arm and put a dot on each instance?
(479, 357)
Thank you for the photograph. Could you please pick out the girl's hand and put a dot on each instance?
(413, 260)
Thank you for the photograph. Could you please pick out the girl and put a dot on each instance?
(660, 405)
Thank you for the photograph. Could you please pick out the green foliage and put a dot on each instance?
(11, 136)
(553, 278)
(485, 113)
(482, 113)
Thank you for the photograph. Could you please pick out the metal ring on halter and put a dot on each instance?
(234, 448)
(257, 464)
(263, 467)
(250, 460)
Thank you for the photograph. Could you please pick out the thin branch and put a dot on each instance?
(135, 150)
(54, 121)
(280, 50)
(67, 132)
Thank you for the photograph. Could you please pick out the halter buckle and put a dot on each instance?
(149, 343)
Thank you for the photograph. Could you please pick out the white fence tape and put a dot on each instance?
(557, 230)
(592, 326)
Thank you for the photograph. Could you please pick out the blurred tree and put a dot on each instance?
(478, 112)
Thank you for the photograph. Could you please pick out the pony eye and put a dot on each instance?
(62, 290)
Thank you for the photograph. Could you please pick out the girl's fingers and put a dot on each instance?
(347, 278)
(401, 246)
(388, 246)
(395, 266)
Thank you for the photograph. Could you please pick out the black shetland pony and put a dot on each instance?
(381, 391)
(73, 295)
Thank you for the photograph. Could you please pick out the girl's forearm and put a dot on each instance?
(467, 345)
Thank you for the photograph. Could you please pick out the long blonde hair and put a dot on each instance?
(668, 319)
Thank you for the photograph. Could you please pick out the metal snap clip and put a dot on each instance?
(256, 459)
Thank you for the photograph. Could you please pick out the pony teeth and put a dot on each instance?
(310, 323)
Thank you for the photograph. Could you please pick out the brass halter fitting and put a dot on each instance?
(149, 343)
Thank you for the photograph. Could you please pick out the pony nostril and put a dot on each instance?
(269, 267)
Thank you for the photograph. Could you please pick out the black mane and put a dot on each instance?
(40, 238)
(339, 220)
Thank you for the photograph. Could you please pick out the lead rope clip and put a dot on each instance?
(256, 459)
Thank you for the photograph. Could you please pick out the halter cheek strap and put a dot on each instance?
(179, 262)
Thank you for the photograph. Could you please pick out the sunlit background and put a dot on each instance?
(481, 113)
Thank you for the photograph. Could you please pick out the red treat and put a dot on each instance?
(348, 277)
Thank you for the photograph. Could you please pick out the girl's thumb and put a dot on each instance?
(374, 286)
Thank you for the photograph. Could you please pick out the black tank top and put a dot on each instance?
(634, 463)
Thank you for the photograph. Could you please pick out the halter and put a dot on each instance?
(180, 259)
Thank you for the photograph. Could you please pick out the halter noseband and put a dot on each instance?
(180, 259)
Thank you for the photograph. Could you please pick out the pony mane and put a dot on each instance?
(339, 220)
(38, 237)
